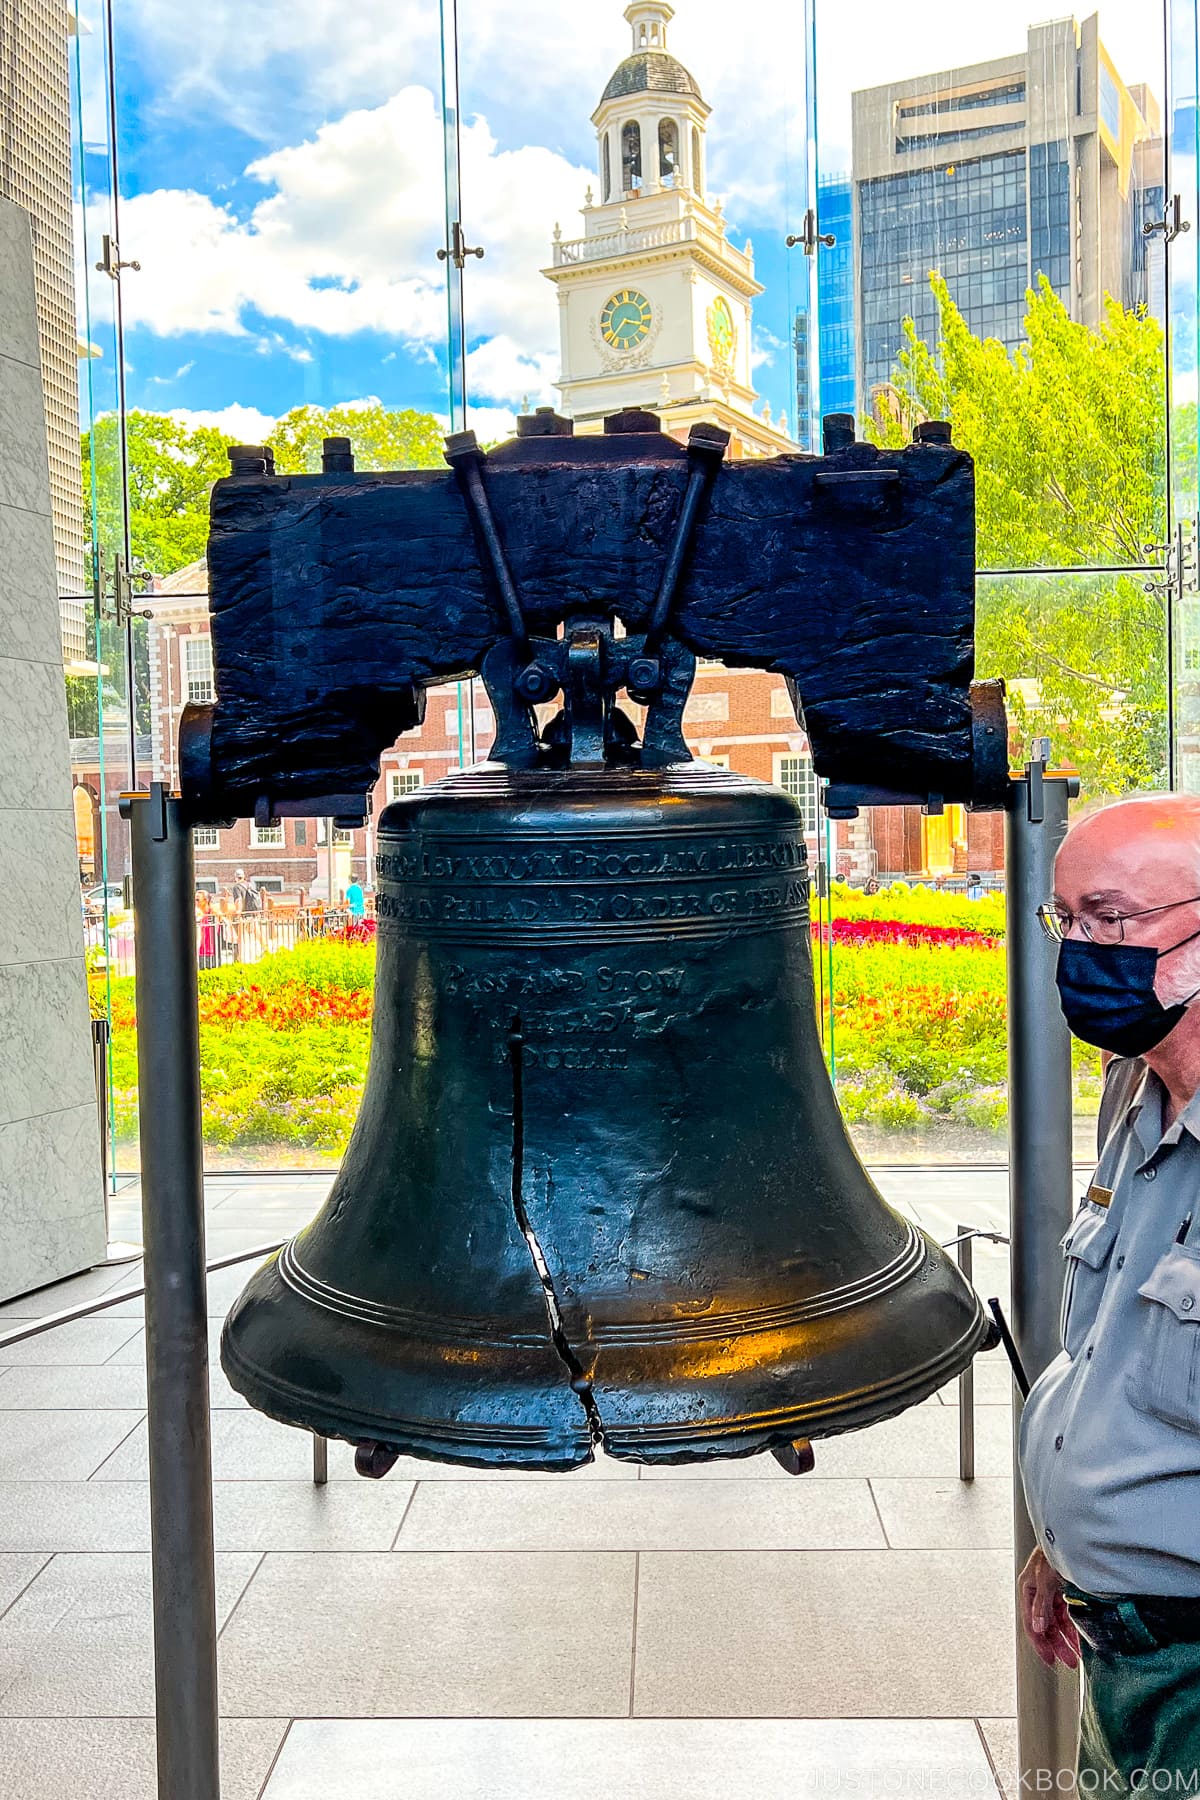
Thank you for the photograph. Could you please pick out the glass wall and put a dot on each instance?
(268, 209)
(1002, 193)
(385, 224)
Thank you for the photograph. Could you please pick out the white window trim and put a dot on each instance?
(267, 837)
(810, 803)
(404, 781)
(196, 686)
(206, 837)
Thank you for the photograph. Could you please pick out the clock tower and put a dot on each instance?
(654, 301)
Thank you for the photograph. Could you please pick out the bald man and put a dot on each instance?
(1110, 1434)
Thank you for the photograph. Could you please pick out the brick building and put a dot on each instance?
(740, 719)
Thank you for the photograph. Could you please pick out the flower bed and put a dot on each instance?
(917, 1024)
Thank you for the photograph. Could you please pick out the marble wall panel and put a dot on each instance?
(40, 913)
(24, 470)
(51, 1198)
(34, 767)
(45, 1039)
(51, 1221)
(18, 320)
(28, 628)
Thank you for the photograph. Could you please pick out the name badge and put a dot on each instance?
(1099, 1196)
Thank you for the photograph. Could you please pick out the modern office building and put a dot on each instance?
(35, 171)
(1042, 162)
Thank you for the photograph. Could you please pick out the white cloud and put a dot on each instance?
(346, 237)
(245, 423)
(538, 72)
(251, 66)
(500, 370)
(763, 345)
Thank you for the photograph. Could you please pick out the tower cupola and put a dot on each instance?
(651, 118)
(649, 20)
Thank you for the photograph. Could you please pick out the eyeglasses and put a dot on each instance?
(1103, 926)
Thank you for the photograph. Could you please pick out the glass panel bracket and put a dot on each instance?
(810, 238)
(1179, 562)
(1172, 223)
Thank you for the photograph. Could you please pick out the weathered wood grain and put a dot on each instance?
(337, 598)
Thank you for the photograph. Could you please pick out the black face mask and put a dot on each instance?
(1107, 994)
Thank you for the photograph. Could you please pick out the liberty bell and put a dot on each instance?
(599, 1195)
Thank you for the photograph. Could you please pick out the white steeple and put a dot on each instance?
(652, 117)
(655, 302)
(649, 20)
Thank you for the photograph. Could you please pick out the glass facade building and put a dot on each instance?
(835, 314)
(1041, 164)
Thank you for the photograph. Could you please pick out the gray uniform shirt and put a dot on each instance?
(1110, 1434)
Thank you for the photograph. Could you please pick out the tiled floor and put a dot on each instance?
(720, 1633)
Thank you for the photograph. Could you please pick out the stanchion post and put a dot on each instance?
(181, 1513)
(966, 1381)
(1039, 1102)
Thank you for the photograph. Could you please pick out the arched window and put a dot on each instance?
(607, 169)
(697, 172)
(642, 40)
(631, 156)
(668, 149)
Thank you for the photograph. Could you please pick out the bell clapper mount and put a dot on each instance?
(589, 664)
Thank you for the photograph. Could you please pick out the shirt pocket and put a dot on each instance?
(1086, 1248)
(1165, 1377)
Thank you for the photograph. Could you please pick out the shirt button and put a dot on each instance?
(1150, 1173)
(1049, 1535)
(1068, 1243)
(1187, 1303)
(1120, 1262)
(1090, 1348)
(1058, 1443)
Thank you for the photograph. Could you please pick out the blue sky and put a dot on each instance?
(282, 185)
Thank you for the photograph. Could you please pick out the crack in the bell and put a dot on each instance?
(581, 1387)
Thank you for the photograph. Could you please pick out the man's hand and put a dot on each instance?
(1044, 1613)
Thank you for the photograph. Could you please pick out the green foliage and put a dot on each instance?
(171, 470)
(1067, 433)
(83, 715)
(919, 1030)
(383, 438)
(920, 905)
(321, 963)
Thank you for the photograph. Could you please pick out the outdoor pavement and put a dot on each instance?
(720, 1633)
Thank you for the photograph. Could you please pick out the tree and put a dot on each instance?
(382, 438)
(171, 470)
(1067, 433)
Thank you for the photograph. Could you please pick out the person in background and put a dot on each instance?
(246, 896)
(975, 888)
(1109, 1442)
(356, 901)
(207, 943)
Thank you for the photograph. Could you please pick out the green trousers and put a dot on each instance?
(1140, 1732)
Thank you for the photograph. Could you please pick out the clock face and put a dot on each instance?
(625, 320)
(722, 332)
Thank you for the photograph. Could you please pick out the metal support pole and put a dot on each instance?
(181, 1514)
(966, 1381)
(1039, 1100)
(116, 1253)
